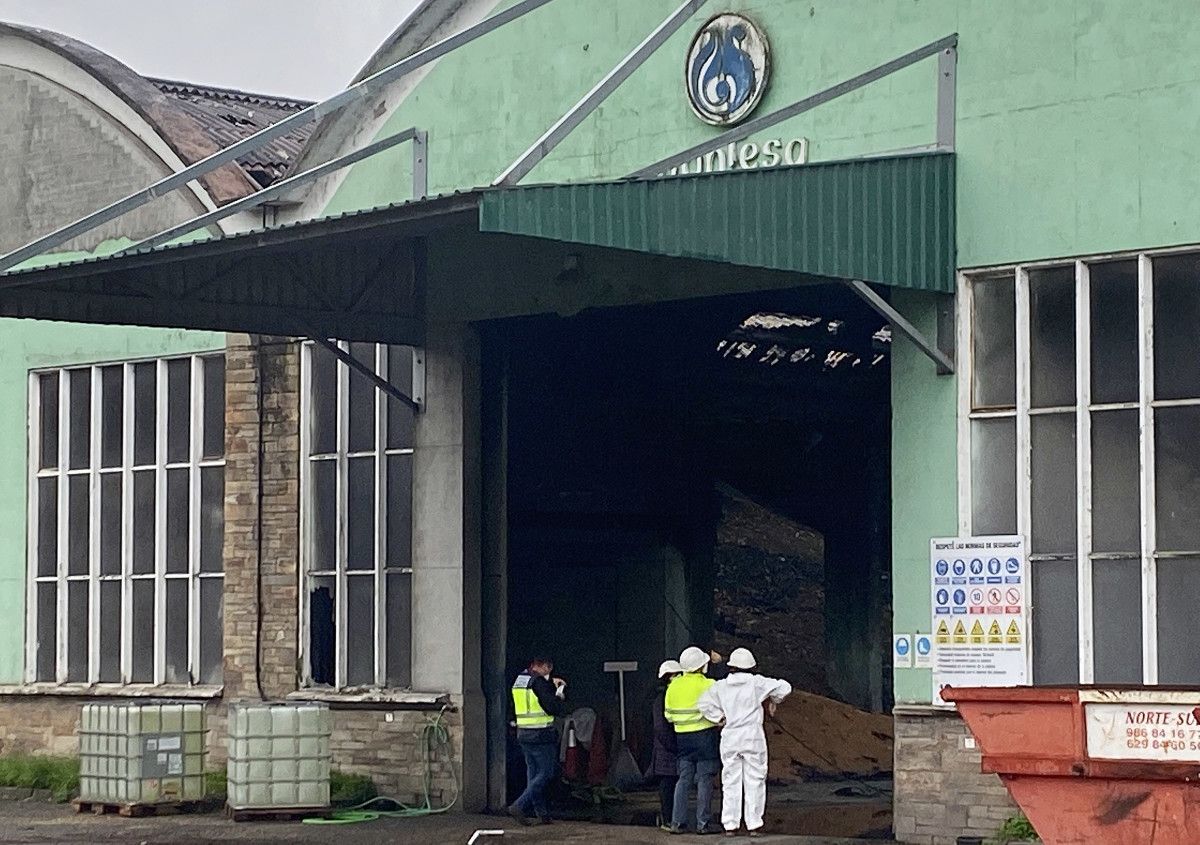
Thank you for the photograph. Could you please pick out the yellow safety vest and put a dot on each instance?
(525, 702)
(680, 704)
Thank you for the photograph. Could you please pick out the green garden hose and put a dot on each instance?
(435, 737)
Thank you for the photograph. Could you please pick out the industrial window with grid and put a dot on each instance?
(126, 522)
(1079, 429)
(356, 518)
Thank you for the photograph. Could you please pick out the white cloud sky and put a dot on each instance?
(298, 48)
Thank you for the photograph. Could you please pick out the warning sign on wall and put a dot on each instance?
(979, 587)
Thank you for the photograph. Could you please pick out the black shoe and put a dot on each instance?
(545, 820)
(709, 828)
(677, 831)
(519, 815)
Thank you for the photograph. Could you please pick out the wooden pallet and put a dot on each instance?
(277, 814)
(131, 809)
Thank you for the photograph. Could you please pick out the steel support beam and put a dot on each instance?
(947, 95)
(900, 324)
(283, 186)
(574, 116)
(307, 115)
(758, 124)
(362, 369)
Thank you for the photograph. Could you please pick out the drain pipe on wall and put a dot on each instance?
(259, 374)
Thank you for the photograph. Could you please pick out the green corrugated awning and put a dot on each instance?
(885, 220)
(366, 275)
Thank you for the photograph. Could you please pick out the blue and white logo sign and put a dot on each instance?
(728, 65)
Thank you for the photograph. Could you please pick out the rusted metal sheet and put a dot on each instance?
(1036, 740)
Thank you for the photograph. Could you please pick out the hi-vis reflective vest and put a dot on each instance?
(525, 702)
(680, 706)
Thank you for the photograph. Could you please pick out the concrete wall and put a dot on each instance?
(1055, 101)
(62, 157)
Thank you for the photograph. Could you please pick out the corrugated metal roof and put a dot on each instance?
(888, 220)
(229, 115)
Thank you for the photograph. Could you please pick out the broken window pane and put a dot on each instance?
(1176, 315)
(177, 631)
(1052, 500)
(1054, 609)
(47, 630)
(360, 516)
(177, 520)
(324, 515)
(212, 518)
(80, 384)
(994, 476)
(322, 616)
(179, 409)
(1114, 332)
(212, 629)
(110, 632)
(399, 511)
(362, 400)
(400, 417)
(143, 631)
(213, 443)
(47, 529)
(77, 631)
(1052, 337)
(77, 524)
(145, 392)
(1177, 478)
(399, 629)
(48, 411)
(1178, 635)
(110, 523)
(1116, 497)
(360, 630)
(1117, 596)
(143, 521)
(112, 399)
(993, 331)
(323, 419)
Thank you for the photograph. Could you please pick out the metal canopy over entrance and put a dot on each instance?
(364, 276)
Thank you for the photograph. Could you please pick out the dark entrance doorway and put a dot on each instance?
(707, 471)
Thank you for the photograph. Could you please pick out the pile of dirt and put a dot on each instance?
(812, 737)
(770, 592)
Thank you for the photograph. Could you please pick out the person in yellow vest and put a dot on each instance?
(537, 698)
(696, 741)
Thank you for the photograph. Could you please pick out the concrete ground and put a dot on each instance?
(40, 822)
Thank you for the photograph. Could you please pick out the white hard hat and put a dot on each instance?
(741, 659)
(693, 659)
(670, 667)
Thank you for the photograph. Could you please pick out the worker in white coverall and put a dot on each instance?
(737, 703)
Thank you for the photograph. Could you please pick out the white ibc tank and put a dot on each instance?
(278, 756)
(142, 752)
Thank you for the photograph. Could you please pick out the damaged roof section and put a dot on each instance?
(790, 340)
(195, 121)
(229, 116)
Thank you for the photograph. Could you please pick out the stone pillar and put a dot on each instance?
(274, 365)
(940, 792)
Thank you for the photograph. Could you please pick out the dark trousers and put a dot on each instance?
(666, 797)
(541, 765)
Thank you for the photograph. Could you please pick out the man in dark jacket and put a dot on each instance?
(537, 699)
(662, 763)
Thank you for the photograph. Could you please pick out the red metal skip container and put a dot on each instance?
(1093, 765)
